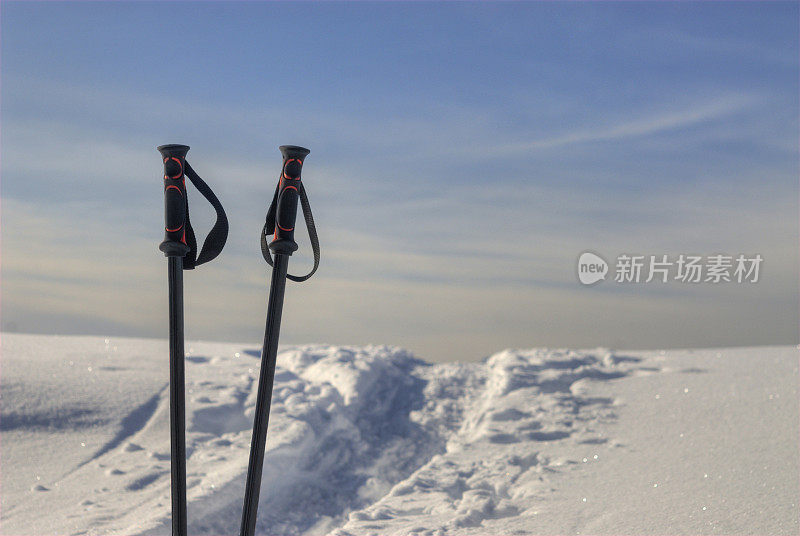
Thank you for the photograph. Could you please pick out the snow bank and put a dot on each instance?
(371, 440)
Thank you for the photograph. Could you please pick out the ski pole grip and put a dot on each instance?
(287, 197)
(175, 216)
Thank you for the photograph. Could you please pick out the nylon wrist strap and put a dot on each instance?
(215, 240)
(269, 229)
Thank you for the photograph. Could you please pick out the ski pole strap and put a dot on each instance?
(269, 229)
(283, 211)
(215, 240)
(179, 237)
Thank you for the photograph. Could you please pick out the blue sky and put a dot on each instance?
(463, 155)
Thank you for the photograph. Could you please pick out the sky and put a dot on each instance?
(462, 156)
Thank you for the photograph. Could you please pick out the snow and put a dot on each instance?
(372, 440)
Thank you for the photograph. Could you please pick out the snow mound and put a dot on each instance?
(491, 467)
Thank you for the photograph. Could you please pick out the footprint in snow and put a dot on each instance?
(113, 472)
(546, 436)
(131, 447)
(39, 487)
(594, 441)
(502, 438)
(142, 482)
(510, 414)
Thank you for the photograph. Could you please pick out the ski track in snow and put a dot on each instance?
(362, 440)
(528, 398)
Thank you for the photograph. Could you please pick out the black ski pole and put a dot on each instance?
(280, 224)
(180, 248)
(175, 248)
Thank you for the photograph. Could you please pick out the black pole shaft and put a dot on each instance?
(176, 397)
(269, 353)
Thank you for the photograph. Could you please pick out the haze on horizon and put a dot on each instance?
(462, 156)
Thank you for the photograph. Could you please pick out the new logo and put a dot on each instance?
(591, 268)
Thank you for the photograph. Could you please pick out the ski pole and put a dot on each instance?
(175, 248)
(280, 224)
(180, 248)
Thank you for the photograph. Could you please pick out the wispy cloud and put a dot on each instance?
(646, 125)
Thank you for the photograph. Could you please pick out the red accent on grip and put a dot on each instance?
(289, 161)
(180, 165)
(180, 168)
